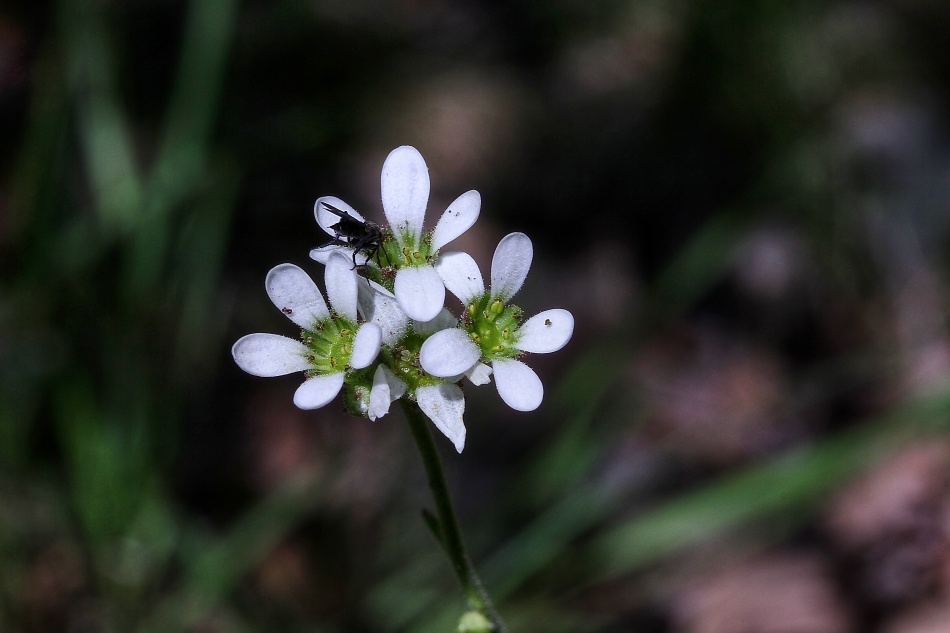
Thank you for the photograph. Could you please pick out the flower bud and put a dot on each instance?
(475, 622)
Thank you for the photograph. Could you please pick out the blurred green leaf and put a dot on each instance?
(796, 482)
(107, 461)
(104, 130)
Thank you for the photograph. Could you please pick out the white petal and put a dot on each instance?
(321, 254)
(460, 275)
(510, 264)
(448, 353)
(405, 191)
(366, 345)
(379, 306)
(318, 391)
(294, 293)
(386, 390)
(479, 374)
(444, 404)
(420, 292)
(327, 219)
(457, 219)
(442, 321)
(546, 332)
(518, 385)
(270, 355)
(341, 280)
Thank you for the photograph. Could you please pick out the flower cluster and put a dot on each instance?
(386, 333)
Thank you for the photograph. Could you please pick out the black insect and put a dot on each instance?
(362, 236)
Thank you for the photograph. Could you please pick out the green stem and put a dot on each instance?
(449, 532)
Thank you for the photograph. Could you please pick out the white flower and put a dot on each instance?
(442, 401)
(332, 340)
(405, 194)
(491, 330)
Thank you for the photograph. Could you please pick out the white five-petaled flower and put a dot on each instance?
(418, 287)
(332, 340)
(491, 330)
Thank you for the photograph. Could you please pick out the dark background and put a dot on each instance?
(743, 203)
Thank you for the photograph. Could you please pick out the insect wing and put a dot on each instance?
(329, 210)
(350, 230)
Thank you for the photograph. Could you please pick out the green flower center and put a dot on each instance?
(330, 343)
(403, 360)
(492, 326)
(391, 256)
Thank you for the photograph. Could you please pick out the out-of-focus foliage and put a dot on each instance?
(744, 204)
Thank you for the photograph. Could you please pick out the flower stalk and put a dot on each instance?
(384, 334)
(450, 536)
